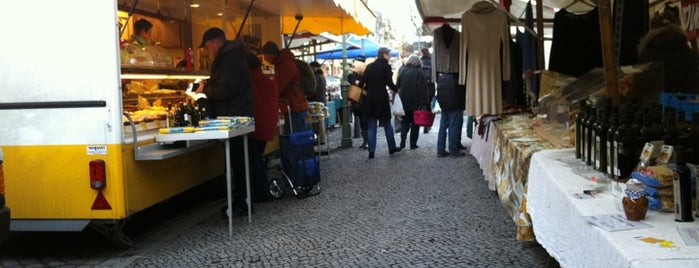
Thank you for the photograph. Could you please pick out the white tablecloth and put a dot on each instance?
(560, 228)
(482, 149)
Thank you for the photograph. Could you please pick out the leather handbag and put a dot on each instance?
(355, 92)
(423, 118)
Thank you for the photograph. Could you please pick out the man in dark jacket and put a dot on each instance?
(288, 79)
(377, 76)
(229, 93)
(451, 99)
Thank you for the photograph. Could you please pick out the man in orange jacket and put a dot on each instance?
(288, 80)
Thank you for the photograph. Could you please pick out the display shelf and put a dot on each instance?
(156, 151)
(164, 97)
(156, 73)
(204, 135)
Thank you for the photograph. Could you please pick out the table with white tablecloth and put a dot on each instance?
(560, 227)
(481, 148)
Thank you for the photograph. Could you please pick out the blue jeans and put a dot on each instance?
(298, 121)
(388, 129)
(449, 122)
(459, 126)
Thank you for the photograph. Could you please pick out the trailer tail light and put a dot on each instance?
(98, 174)
(98, 181)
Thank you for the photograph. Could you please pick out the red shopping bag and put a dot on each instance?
(423, 118)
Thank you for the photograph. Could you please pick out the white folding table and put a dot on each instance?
(223, 135)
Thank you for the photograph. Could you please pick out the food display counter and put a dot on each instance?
(562, 229)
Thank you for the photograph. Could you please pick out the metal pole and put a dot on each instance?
(540, 35)
(608, 55)
(344, 85)
(247, 14)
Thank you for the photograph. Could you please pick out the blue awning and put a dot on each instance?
(356, 46)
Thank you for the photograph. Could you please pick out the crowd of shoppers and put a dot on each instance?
(238, 87)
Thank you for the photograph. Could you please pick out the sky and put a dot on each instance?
(396, 12)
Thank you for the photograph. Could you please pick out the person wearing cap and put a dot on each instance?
(288, 79)
(229, 93)
(377, 76)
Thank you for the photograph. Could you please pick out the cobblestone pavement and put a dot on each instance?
(410, 209)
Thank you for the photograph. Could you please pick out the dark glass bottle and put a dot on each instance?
(202, 103)
(611, 153)
(682, 185)
(625, 145)
(578, 129)
(180, 118)
(590, 136)
(188, 113)
(600, 139)
(196, 116)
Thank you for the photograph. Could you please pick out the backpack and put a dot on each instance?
(308, 79)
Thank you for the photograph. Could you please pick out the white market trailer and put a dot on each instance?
(70, 161)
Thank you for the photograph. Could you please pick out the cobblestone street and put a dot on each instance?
(410, 209)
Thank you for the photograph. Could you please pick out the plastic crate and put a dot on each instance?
(689, 103)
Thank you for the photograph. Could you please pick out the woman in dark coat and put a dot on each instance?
(377, 77)
(413, 93)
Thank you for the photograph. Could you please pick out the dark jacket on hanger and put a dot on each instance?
(576, 46)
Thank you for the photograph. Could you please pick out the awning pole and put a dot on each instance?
(131, 10)
(298, 22)
(344, 85)
(541, 65)
(608, 53)
(247, 14)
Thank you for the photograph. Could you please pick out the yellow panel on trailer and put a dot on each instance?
(53, 181)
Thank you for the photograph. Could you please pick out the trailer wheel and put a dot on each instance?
(113, 230)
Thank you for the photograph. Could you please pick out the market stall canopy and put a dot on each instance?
(333, 16)
(304, 38)
(434, 13)
(356, 46)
